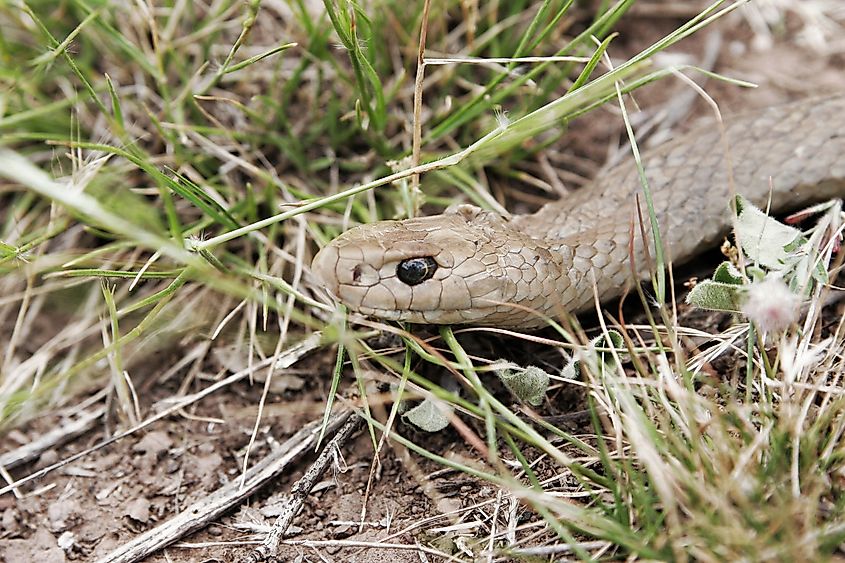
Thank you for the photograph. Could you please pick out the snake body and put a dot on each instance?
(484, 269)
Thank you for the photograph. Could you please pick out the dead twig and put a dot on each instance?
(227, 497)
(65, 431)
(300, 490)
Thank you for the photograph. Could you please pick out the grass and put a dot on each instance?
(171, 169)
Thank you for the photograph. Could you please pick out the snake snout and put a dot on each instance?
(324, 268)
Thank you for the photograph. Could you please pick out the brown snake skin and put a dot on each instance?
(511, 273)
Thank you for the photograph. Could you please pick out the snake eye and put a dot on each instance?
(414, 271)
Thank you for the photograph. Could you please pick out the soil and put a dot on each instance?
(89, 507)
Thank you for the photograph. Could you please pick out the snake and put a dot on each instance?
(474, 266)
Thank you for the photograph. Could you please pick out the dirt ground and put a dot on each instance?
(103, 500)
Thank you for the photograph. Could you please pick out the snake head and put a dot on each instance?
(464, 266)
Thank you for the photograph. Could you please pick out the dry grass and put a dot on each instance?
(170, 171)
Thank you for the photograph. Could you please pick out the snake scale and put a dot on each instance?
(474, 266)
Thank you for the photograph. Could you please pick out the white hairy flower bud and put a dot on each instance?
(771, 305)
